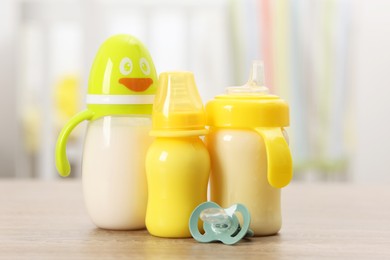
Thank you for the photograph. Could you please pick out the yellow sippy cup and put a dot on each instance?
(121, 91)
(250, 156)
(177, 162)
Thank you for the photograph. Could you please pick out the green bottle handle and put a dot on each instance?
(62, 162)
(279, 161)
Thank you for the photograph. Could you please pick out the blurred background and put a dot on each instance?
(329, 59)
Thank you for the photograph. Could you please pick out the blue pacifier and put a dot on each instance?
(220, 224)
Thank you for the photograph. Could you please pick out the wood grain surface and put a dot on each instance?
(48, 220)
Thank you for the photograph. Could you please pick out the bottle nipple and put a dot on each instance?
(220, 224)
(255, 84)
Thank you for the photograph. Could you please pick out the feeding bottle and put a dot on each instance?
(177, 162)
(250, 156)
(121, 90)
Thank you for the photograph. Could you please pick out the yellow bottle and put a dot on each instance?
(250, 156)
(177, 162)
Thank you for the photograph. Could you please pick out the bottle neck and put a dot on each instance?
(179, 133)
(106, 110)
(182, 138)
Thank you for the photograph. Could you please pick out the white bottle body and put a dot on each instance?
(113, 171)
(239, 175)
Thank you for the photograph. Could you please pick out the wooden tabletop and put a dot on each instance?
(48, 220)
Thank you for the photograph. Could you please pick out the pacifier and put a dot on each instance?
(220, 224)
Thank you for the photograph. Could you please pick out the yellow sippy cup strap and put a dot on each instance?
(278, 156)
(62, 162)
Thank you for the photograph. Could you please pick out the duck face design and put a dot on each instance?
(123, 66)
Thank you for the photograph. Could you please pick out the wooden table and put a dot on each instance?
(48, 220)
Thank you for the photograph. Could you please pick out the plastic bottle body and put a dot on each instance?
(239, 175)
(177, 173)
(113, 171)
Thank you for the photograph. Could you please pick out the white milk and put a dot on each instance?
(113, 170)
(239, 175)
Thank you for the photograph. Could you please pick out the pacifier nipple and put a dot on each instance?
(217, 218)
(220, 224)
(255, 84)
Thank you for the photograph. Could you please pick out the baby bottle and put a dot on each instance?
(177, 162)
(121, 90)
(250, 156)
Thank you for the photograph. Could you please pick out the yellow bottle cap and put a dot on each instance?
(248, 106)
(178, 109)
(247, 111)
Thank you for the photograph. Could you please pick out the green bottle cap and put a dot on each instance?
(123, 79)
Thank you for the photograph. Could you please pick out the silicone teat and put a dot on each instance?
(217, 218)
(220, 224)
(255, 84)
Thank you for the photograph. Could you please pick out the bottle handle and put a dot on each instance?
(62, 162)
(279, 159)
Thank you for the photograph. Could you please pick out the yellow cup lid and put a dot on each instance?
(247, 111)
(178, 109)
(248, 106)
